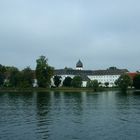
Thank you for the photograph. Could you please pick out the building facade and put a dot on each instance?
(109, 75)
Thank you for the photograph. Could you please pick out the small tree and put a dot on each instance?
(13, 76)
(116, 83)
(93, 84)
(124, 81)
(88, 84)
(106, 84)
(57, 80)
(2, 75)
(136, 81)
(26, 78)
(67, 82)
(77, 81)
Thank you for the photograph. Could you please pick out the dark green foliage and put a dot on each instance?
(124, 81)
(93, 84)
(106, 84)
(57, 80)
(2, 75)
(116, 83)
(13, 76)
(76, 81)
(43, 72)
(67, 82)
(26, 78)
(16, 78)
(88, 84)
(136, 81)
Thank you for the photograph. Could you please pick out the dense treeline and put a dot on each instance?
(13, 77)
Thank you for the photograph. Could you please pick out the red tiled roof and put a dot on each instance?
(132, 74)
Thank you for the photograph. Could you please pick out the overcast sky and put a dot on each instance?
(101, 33)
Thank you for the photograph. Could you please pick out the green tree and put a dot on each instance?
(2, 75)
(123, 82)
(116, 83)
(95, 84)
(136, 81)
(106, 84)
(88, 84)
(67, 82)
(76, 81)
(44, 72)
(57, 80)
(26, 78)
(13, 76)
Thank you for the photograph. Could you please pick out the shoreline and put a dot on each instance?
(62, 89)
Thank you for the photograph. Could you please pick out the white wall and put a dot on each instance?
(105, 78)
(84, 83)
(101, 78)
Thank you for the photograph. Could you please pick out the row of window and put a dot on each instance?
(106, 76)
(106, 80)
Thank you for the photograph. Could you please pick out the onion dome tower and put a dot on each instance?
(79, 65)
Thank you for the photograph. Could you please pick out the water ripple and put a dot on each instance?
(76, 116)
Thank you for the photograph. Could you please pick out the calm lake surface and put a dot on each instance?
(70, 116)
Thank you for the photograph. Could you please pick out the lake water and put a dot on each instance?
(70, 116)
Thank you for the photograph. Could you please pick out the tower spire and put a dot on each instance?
(79, 65)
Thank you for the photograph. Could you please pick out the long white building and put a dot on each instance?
(109, 75)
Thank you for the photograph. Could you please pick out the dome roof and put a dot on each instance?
(79, 64)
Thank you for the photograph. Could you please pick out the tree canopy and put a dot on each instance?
(93, 84)
(67, 82)
(57, 80)
(106, 84)
(136, 81)
(13, 76)
(44, 72)
(26, 78)
(124, 81)
(76, 81)
(2, 74)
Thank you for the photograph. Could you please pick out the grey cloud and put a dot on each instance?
(100, 33)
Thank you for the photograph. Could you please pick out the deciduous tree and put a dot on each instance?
(26, 78)
(76, 81)
(93, 84)
(2, 74)
(13, 76)
(67, 82)
(57, 80)
(124, 81)
(44, 72)
(136, 81)
(106, 84)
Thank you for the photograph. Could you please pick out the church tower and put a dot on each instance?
(79, 65)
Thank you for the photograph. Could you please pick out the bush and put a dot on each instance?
(136, 81)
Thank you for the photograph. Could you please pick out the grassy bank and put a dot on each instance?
(62, 89)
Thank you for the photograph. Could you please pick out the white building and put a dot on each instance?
(109, 75)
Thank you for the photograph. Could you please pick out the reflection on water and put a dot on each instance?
(66, 116)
